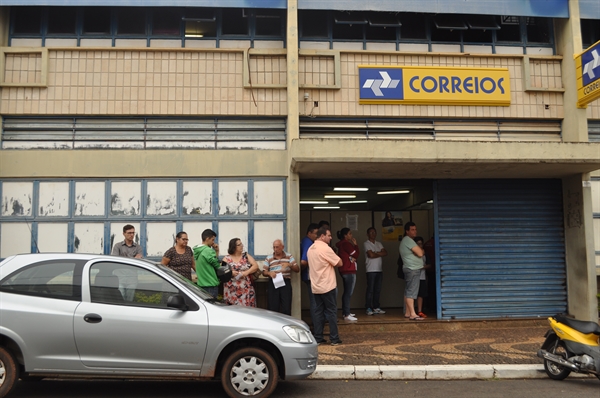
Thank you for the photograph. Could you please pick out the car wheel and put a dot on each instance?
(554, 370)
(249, 372)
(8, 372)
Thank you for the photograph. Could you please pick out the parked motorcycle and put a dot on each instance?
(571, 346)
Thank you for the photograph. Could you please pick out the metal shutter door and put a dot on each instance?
(501, 250)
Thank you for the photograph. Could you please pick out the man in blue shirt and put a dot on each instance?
(307, 241)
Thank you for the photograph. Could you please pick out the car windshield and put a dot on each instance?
(193, 288)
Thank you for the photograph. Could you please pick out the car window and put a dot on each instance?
(124, 284)
(54, 279)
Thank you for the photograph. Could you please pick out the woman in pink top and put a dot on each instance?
(348, 252)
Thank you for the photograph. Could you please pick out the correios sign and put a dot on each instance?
(588, 75)
(433, 85)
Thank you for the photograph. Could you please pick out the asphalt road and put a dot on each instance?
(535, 388)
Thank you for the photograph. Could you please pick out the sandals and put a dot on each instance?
(418, 318)
(422, 315)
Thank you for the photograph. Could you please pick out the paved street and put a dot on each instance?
(539, 388)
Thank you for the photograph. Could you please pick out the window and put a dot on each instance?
(314, 24)
(96, 20)
(414, 26)
(349, 25)
(510, 29)
(234, 22)
(131, 21)
(538, 30)
(52, 279)
(268, 23)
(116, 283)
(382, 26)
(27, 20)
(62, 20)
(590, 32)
(166, 22)
(200, 22)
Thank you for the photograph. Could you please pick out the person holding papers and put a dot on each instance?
(278, 267)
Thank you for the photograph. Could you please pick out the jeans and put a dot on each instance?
(349, 282)
(374, 281)
(311, 300)
(212, 290)
(326, 308)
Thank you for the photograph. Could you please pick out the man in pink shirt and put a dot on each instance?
(323, 260)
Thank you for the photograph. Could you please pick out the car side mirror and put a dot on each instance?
(177, 301)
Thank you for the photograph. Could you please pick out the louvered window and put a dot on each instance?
(143, 133)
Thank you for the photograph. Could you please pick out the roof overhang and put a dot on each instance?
(347, 158)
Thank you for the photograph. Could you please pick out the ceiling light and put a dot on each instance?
(392, 192)
(430, 201)
(326, 207)
(350, 189)
(339, 196)
(343, 202)
(314, 202)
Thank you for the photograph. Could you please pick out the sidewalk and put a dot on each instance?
(390, 347)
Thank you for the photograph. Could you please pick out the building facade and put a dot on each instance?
(193, 114)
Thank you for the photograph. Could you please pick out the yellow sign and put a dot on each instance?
(588, 75)
(433, 85)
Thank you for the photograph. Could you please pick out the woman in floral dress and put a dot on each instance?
(239, 290)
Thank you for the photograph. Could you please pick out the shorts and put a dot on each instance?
(412, 278)
(422, 288)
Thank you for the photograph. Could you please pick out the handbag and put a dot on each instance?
(224, 272)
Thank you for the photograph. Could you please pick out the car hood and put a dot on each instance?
(249, 314)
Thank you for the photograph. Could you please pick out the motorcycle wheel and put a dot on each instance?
(554, 370)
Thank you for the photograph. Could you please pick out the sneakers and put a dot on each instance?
(350, 318)
(319, 342)
(337, 342)
(378, 311)
(369, 311)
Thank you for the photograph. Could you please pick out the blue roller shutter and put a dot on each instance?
(500, 248)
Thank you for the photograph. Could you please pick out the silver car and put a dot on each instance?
(90, 315)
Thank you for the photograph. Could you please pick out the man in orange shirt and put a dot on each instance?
(323, 260)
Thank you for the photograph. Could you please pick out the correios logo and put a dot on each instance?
(434, 85)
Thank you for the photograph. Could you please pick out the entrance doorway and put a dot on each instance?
(360, 204)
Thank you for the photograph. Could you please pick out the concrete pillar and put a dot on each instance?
(579, 247)
(568, 43)
(4, 25)
(293, 132)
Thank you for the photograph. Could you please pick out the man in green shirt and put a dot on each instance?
(207, 261)
(412, 258)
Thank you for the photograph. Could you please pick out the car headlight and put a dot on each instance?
(298, 334)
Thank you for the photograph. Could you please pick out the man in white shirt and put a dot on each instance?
(374, 251)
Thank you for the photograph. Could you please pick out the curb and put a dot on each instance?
(430, 372)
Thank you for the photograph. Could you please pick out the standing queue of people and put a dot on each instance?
(203, 260)
(318, 263)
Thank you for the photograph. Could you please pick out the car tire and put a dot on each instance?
(249, 372)
(9, 372)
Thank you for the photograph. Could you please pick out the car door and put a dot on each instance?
(137, 331)
(37, 303)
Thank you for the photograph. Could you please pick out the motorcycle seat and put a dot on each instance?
(584, 327)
